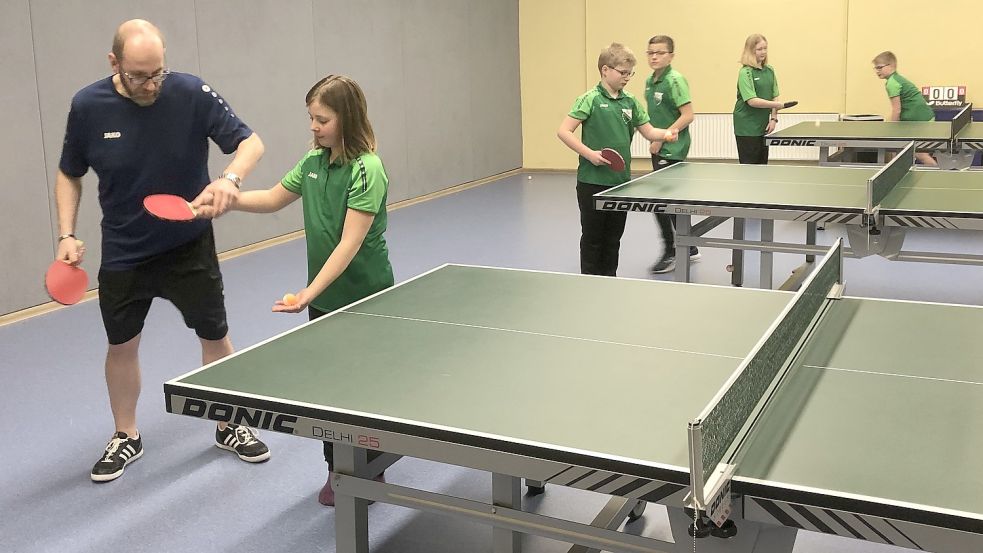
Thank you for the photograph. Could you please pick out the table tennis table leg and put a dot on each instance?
(683, 228)
(351, 513)
(767, 258)
(737, 256)
(615, 512)
(810, 240)
(506, 492)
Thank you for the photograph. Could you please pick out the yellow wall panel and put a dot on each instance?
(551, 61)
(821, 52)
(806, 42)
(936, 44)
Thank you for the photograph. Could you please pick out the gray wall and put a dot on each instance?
(441, 77)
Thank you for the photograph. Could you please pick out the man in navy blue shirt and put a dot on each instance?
(145, 130)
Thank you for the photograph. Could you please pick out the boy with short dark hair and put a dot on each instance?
(669, 105)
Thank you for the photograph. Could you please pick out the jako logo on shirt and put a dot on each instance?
(312, 175)
(114, 134)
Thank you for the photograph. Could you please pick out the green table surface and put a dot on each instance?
(971, 132)
(843, 188)
(886, 400)
(612, 366)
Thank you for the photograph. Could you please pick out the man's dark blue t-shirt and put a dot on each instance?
(136, 151)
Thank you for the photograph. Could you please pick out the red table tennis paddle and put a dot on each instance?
(169, 207)
(617, 163)
(66, 284)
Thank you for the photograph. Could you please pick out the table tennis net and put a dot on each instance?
(722, 426)
(881, 184)
(961, 119)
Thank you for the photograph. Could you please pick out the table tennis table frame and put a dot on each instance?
(890, 224)
(880, 146)
(768, 515)
(950, 153)
(766, 521)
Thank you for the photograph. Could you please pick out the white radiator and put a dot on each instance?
(713, 137)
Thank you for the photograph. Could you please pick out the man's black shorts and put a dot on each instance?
(188, 276)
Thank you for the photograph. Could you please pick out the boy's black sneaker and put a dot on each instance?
(242, 441)
(120, 451)
(664, 265)
(694, 253)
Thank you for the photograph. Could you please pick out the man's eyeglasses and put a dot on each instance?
(657, 52)
(623, 72)
(141, 80)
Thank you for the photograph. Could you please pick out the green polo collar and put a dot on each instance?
(604, 92)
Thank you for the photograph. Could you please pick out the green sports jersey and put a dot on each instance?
(913, 104)
(664, 96)
(753, 83)
(607, 123)
(328, 191)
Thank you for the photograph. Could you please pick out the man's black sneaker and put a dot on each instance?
(242, 441)
(120, 451)
(694, 253)
(664, 265)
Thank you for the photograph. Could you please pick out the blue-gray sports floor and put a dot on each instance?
(186, 495)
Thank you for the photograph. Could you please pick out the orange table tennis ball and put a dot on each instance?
(670, 136)
(290, 299)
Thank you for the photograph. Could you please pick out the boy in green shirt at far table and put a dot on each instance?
(609, 116)
(669, 105)
(907, 103)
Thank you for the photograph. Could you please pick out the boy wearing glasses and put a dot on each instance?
(144, 131)
(609, 116)
(669, 105)
(907, 103)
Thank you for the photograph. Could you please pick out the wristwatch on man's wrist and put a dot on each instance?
(233, 178)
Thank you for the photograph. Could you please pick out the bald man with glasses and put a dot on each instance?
(145, 130)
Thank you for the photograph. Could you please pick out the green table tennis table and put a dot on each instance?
(953, 143)
(869, 427)
(878, 205)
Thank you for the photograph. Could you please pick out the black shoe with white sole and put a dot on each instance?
(120, 451)
(664, 265)
(242, 441)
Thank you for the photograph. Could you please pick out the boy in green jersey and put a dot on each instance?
(609, 116)
(907, 103)
(669, 105)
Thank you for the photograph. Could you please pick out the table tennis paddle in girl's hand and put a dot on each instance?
(169, 207)
(66, 284)
(617, 163)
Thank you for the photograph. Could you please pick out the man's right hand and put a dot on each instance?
(221, 194)
(203, 206)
